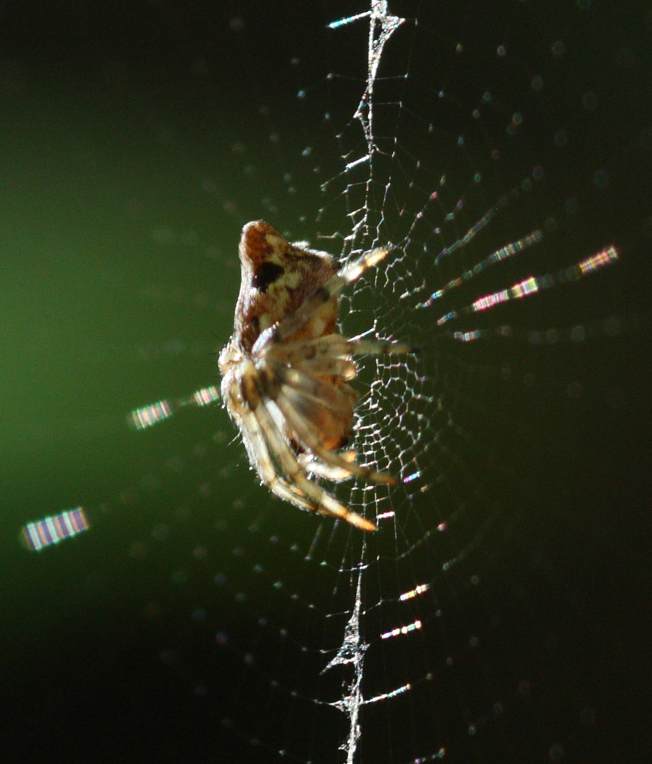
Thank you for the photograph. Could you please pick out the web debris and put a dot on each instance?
(352, 650)
(382, 26)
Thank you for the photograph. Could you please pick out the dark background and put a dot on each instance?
(133, 149)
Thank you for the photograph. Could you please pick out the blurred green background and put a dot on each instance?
(126, 177)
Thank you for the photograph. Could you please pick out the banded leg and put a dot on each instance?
(324, 503)
(316, 354)
(331, 458)
(259, 456)
(300, 398)
(347, 275)
(335, 474)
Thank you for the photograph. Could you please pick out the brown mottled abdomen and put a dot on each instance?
(276, 278)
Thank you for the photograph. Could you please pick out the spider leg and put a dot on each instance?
(288, 402)
(347, 275)
(299, 399)
(377, 347)
(324, 503)
(320, 355)
(259, 455)
(315, 391)
(329, 366)
(334, 474)
(256, 447)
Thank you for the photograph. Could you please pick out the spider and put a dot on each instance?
(286, 370)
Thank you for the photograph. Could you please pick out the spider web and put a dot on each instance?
(504, 155)
(462, 173)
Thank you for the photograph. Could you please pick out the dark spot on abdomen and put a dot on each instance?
(266, 274)
(323, 294)
(343, 442)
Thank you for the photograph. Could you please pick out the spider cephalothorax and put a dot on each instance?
(286, 369)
